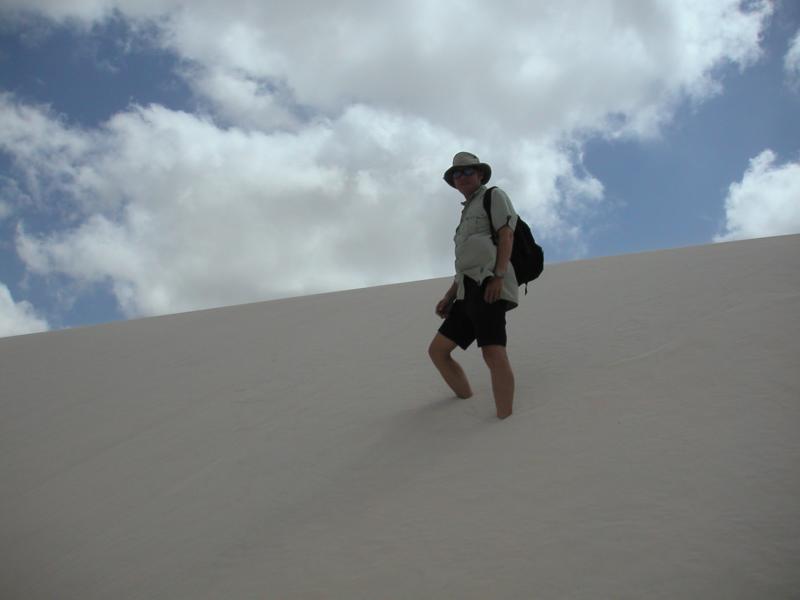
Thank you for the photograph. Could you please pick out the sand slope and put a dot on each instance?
(306, 449)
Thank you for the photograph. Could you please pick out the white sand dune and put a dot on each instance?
(306, 448)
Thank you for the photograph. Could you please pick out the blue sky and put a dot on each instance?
(670, 191)
(164, 156)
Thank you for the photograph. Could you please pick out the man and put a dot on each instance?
(484, 288)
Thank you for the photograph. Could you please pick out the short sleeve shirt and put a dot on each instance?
(476, 253)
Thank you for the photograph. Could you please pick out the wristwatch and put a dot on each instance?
(499, 274)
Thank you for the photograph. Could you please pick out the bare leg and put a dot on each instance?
(440, 352)
(502, 379)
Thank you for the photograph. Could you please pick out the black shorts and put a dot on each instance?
(472, 318)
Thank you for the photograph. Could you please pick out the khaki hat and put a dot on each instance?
(467, 159)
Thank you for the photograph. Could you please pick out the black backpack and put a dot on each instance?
(526, 255)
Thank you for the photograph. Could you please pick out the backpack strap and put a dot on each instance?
(487, 206)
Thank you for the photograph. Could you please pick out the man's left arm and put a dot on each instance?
(505, 243)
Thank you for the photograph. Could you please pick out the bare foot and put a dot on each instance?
(503, 411)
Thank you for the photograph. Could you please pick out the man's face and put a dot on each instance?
(467, 179)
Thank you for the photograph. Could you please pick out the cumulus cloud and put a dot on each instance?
(46, 157)
(11, 196)
(791, 62)
(551, 66)
(18, 318)
(548, 67)
(318, 165)
(243, 100)
(195, 215)
(765, 202)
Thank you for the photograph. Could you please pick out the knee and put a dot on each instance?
(495, 357)
(434, 352)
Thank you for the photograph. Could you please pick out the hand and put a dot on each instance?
(493, 290)
(443, 307)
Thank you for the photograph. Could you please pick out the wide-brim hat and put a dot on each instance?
(467, 159)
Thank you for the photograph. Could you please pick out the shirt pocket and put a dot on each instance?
(474, 225)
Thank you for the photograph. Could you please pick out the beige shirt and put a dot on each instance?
(476, 254)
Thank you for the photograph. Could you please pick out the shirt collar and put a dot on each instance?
(479, 192)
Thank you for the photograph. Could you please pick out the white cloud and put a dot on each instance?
(320, 164)
(240, 99)
(86, 11)
(546, 67)
(205, 216)
(12, 198)
(39, 143)
(549, 66)
(18, 318)
(791, 62)
(765, 202)
(199, 216)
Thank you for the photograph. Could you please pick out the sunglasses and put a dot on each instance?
(465, 172)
